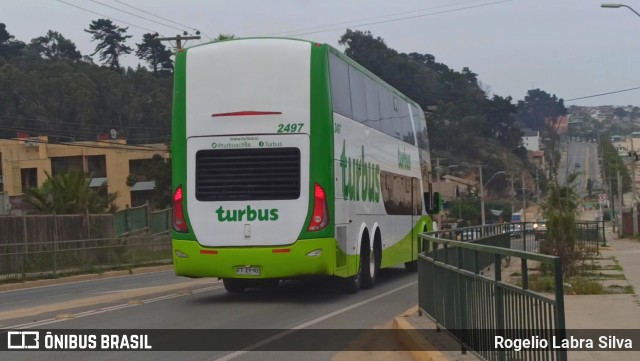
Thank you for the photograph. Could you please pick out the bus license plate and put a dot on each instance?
(248, 271)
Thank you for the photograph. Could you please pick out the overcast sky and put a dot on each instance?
(571, 48)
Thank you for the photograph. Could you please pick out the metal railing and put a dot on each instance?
(462, 288)
(21, 261)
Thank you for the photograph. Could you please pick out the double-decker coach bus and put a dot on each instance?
(291, 160)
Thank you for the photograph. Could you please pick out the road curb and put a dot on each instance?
(413, 341)
(82, 278)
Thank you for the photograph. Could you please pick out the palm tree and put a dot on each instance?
(560, 209)
(69, 193)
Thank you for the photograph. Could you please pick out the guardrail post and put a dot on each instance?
(499, 311)
(559, 295)
(460, 299)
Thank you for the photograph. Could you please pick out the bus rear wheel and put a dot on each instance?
(235, 285)
(370, 265)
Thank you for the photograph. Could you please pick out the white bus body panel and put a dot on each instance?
(266, 75)
(380, 149)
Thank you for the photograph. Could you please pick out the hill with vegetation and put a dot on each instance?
(48, 87)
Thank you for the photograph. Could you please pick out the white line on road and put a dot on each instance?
(310, 323)
(98, 311)
(8, 303)
(62, 294)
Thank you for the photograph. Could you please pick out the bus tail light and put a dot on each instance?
(179, 223)
(320, 216)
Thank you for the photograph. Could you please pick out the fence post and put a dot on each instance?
(25, 246)
(499, 299)
(55, 244)
(559, 295)
(148, 214)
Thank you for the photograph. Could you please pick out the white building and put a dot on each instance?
(531, 140)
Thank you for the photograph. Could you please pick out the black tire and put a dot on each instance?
(411, 266)
(235, 285)
(370, 266)
(352, 284)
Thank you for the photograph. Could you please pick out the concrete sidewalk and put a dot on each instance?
(582, 312)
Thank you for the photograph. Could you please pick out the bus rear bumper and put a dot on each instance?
(303, 258)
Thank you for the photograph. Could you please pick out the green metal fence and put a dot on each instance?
(462, 288)
(137, 219)
(21, 261)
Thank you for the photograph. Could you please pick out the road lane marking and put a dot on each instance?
(101, 310)
(89, 280)
(282, 334)
(62, 294)
(93, 300)
(8, 303)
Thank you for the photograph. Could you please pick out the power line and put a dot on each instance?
(110, 18)
(163, 18)
(141, 17)
(603, 94)
(123, 147)
(375, 17)
(81, 124)
(405, 18)
(73, 135)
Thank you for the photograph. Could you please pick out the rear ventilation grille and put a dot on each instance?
(247, 174)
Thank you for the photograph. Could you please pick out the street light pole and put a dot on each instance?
(482, 191)
(615, 6)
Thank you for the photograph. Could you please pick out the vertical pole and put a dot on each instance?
(55, 244)
(613, 208)
(537, 186)
(620, 204)
(481, 196)
(634, 203)
(25, 247)
(559, 296)
(513, 194)
(524, 202)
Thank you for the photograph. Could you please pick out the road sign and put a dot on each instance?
(602, 198)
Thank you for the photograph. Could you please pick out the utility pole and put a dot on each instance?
(438, 169)
(513, 193)
(524, 201)
(537, 186)
(620, 204)
(481, 196)
(634, 202)
(179, 39)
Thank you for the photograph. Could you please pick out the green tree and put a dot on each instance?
(111, 41)
(540, 109)
(56, 47)
(9, 47)
(223, 37)
(155, 53)
(69, 193)
(560, 209)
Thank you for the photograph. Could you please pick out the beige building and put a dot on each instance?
(24, 161)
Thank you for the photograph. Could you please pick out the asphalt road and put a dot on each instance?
(580, 158)
(163, 301)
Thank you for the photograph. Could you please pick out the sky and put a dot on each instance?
(570, 48)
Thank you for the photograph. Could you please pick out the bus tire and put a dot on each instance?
(353, 283)
(370, 261)
(234, 285)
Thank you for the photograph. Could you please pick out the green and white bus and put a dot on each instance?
(291, 160)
